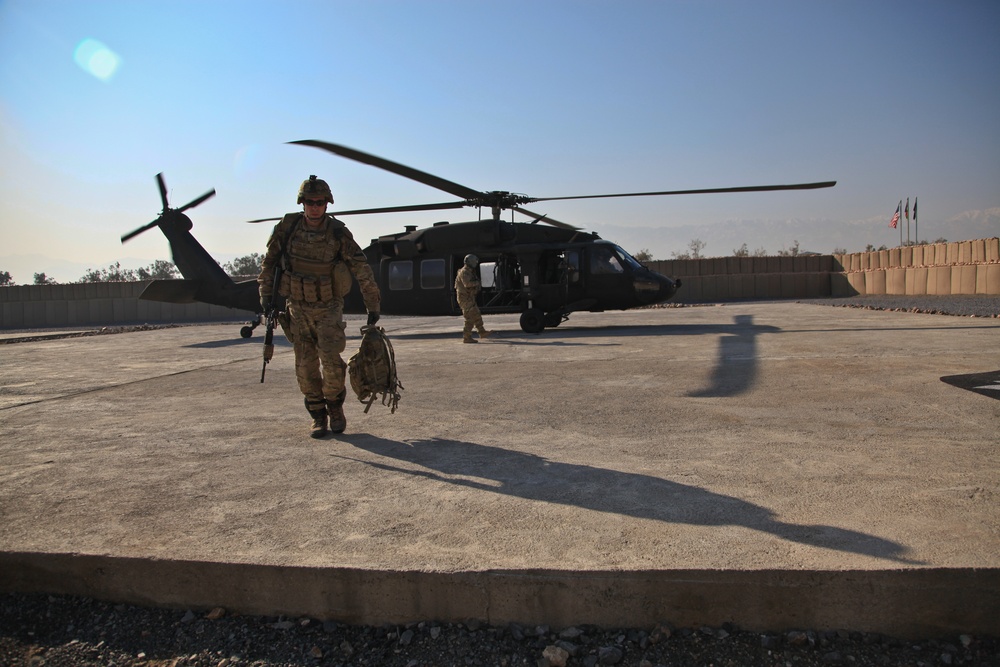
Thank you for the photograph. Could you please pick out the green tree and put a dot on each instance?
(113, 274)
(247, 265)
(158, 270)
(644, 255)
(694, 250)
(790, 252)
(42, 279)
(5, 279)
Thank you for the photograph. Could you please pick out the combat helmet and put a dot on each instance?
(471, 261)
(314, 188)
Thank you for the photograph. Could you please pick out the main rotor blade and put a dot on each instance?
(543, 218)
(409, 172)
(195, 202)
(136, 232)
(402, 209)
(254, 222)
(163, 190)
(748, 188)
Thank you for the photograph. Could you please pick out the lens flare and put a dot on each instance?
(96, 59)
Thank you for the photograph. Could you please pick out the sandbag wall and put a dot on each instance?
(726, 278)
(963, 267)
(98, 304)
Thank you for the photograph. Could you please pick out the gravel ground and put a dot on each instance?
(959, 304)
(54, 631)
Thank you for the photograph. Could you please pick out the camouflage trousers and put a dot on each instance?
(318, 339)
(473, 318)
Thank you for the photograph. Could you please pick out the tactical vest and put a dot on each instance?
(314, 271)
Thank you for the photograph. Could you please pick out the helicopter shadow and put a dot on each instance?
(532, 477)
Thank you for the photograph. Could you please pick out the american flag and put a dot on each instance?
(895, 218)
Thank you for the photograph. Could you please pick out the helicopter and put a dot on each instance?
(543, 271)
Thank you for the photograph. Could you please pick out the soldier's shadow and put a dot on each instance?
(635, 495)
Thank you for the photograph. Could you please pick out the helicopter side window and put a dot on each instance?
(572, 266)
(487, 274)
(401, 275)
(432, 274)
(603, 261)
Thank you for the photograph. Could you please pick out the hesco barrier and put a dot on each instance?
(962, 267)
(98, 304)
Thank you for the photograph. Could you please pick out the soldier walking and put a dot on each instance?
(467, 286)
(319, 259)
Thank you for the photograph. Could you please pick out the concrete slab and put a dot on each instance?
(769, 464)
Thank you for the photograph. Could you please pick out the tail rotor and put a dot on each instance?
(167, 212)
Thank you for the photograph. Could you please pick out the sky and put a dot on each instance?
(893, 100)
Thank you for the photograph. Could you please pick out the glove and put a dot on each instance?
(372, 318)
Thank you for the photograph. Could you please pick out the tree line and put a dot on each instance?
(247, 265)
(696, 248)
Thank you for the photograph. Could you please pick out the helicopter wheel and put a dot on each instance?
(246, 332)
(532, 320)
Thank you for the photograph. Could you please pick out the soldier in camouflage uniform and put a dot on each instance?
(467, 286)
(318, 257)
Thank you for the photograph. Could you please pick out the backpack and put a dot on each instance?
(373, 369)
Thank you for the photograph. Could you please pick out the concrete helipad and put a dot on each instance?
(775, 465)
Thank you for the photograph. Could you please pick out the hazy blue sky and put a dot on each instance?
(547, 98)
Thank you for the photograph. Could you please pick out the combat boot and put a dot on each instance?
(467, 337)
(319, 429)
(338, 421)
(483, 333)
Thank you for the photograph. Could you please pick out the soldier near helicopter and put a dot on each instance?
(319, 259)
(467, 286)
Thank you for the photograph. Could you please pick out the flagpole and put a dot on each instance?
(907, 209)
(915, 235)
(898, 210)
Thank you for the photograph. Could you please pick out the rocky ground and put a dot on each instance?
(55, 631)
(961, 305)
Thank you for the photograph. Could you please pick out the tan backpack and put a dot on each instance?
(372, 369)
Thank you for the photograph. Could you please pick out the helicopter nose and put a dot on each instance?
(655, 288)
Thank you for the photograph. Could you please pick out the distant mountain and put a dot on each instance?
(813, 235)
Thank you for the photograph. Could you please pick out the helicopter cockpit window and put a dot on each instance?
(627, 259)
(432, 274)
(604, 261)
(401, 275)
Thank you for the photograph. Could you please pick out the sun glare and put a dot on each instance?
(95, 58)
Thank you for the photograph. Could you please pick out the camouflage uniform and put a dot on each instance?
(467, 286)
(318, 267)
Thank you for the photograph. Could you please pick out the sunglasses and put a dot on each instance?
(314, 202)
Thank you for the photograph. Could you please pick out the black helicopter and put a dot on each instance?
(545, 272)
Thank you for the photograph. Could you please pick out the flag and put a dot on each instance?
(895, 218)
(914, 210)
(906, 212)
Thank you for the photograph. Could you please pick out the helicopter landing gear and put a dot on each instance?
(552, 320)
(533, 320)
(247, 331)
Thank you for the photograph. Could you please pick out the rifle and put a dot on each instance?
(270, 319)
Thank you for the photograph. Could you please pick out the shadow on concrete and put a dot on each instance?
(736, 364)
(532, 477)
